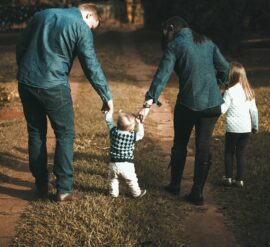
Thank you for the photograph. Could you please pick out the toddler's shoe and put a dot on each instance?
(238, 183)
(143, 192)
(226, 181)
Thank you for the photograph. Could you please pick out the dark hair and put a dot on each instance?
(174, 25)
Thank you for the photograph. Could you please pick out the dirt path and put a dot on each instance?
(205, 225)
(16, 194)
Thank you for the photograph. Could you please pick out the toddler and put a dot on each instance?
(241, 119)
(123, 138)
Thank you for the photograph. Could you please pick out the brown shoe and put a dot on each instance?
(72, 196)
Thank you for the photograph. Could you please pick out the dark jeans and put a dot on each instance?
(184, 121)
(56, 104)
(235, 145)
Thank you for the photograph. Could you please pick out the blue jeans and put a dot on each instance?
(56, 104)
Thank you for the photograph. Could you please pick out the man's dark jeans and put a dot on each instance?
(184, 121)
(56, 104)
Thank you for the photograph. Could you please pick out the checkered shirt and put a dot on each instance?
(122, 145)
(123, 142)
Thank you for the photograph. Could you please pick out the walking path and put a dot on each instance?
(16, 194)
(205, 226)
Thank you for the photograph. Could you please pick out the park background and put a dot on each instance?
(241, 28)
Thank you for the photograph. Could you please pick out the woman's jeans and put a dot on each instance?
(235, 145)
(56, 104)
(184, 121)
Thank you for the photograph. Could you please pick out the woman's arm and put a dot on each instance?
(221, 65)
(162, 75)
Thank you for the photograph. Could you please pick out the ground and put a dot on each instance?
(156, 220)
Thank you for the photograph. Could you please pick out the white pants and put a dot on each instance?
(127, 171)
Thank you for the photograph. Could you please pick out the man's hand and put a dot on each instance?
(107, 107)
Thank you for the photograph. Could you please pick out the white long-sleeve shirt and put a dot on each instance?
(241, 114)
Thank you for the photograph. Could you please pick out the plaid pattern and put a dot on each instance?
(122, 145)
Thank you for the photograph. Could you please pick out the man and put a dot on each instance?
(45, 53)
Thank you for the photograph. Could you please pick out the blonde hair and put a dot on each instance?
(125, 121)
(238, 74)
(91, 8)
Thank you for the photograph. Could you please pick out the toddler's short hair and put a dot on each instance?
(125, 121)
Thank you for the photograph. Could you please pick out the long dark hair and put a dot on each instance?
(174, 25)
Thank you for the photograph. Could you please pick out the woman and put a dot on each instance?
(200, 68)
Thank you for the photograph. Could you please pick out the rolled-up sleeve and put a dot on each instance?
(90, 64)
(162, 75)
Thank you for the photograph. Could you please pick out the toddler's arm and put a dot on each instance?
(140, 131)
(254, 115)
(225, 106)
(109, 120)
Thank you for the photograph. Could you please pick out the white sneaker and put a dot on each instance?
(226, 181)
(143, 192)
(238, 183)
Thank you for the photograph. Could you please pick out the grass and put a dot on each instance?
(246, 210)
(100, 220)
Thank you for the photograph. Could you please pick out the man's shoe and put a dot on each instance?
(143, 192)
(71, 196)
(175, 190)
(194, 199)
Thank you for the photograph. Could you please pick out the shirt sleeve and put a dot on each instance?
(254, 115)
(227, 102)
(140, 132)
(109, 120)
(90, 64)
(221, 65)
(23, 42)
(162, 75)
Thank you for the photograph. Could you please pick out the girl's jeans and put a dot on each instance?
(56, 104)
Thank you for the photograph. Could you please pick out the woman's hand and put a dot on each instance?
(142, 114)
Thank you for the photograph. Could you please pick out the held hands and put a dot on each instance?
(142, 114)
(107, 107)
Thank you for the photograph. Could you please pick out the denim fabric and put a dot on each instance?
(200, 68)
(56, 104)
(48, 46)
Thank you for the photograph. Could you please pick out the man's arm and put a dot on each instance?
(23, 42)
(91, 66)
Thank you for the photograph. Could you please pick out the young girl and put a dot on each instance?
(241, 119)
(123, 138)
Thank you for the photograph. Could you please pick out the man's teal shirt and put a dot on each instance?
(48, 46)
(200, 68)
